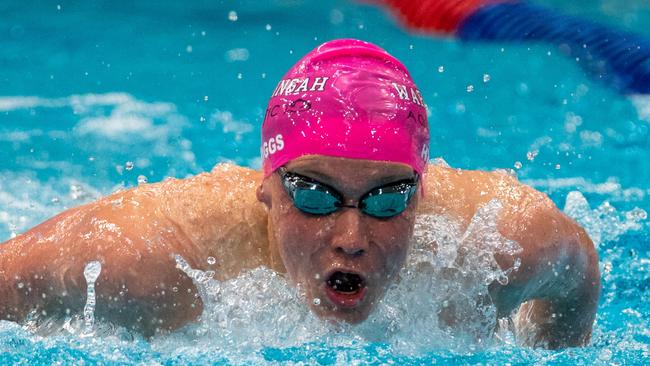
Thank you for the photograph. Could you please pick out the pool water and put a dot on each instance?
(104, 95)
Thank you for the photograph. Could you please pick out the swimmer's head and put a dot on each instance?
(350, 99)
(346, 135)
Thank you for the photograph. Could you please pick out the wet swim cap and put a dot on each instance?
(346, 98)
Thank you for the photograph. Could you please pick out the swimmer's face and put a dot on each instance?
(343, 261)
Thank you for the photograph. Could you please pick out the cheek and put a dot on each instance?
(298, 237)
(395, 237)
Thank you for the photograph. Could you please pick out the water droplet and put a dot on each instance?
(202, 119)
(316, 301)
(174, 289)
(128, 165)
(91, 272)
(486, 78)
(232, 16)
(58, 7)
(142, 179)
(470, 88)
(518, 165)
(205, 98)
(557, 166)
(240, 76)
(268, 27)
(21, 285)
(605, 355)
(212, 260)
(189, 48)
(531, 155)
(441, 69)
(55, 200)
(607, 267)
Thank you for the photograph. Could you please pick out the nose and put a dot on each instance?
(350, 237)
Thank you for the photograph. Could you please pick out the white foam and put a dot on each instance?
(229, 124)
(604, 223)
(25, 201)
(11, 103)
(80, 103)
(107, 124)
(642, 104)
(127, 116)
(610, 188)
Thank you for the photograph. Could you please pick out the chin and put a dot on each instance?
(348, 308)
(350, 316)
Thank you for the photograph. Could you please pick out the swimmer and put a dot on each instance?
(345, 149)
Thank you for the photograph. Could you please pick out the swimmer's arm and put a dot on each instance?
(139, 286)
(562, 307)
(558, 281)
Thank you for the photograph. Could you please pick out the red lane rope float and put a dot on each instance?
(437, 16)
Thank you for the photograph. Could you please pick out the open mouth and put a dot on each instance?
(345, 289)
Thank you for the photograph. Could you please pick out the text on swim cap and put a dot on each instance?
(295, 86)
(403, 93)
(273, 145)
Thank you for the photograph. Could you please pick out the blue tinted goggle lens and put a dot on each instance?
(315, 201)
(316, 198)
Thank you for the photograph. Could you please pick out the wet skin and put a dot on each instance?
(245, 221)
(312, 248)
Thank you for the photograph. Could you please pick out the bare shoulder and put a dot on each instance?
(528, 216)
(461, 192)
(553, 246)
(196, 217)
(220, 214)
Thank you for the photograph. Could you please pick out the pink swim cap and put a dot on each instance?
(346, 98)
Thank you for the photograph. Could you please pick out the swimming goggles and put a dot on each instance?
(316, 198)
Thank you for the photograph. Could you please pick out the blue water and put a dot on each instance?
(89, 89)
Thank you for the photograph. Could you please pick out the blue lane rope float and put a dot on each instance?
(617, 57)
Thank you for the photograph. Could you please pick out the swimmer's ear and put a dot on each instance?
(263, 193)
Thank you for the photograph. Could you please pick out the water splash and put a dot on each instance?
(442, 299)
(604, 223)
(440, 162)
(91, 272)
(441, 279)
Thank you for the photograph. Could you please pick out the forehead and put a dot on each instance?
(350, 174)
